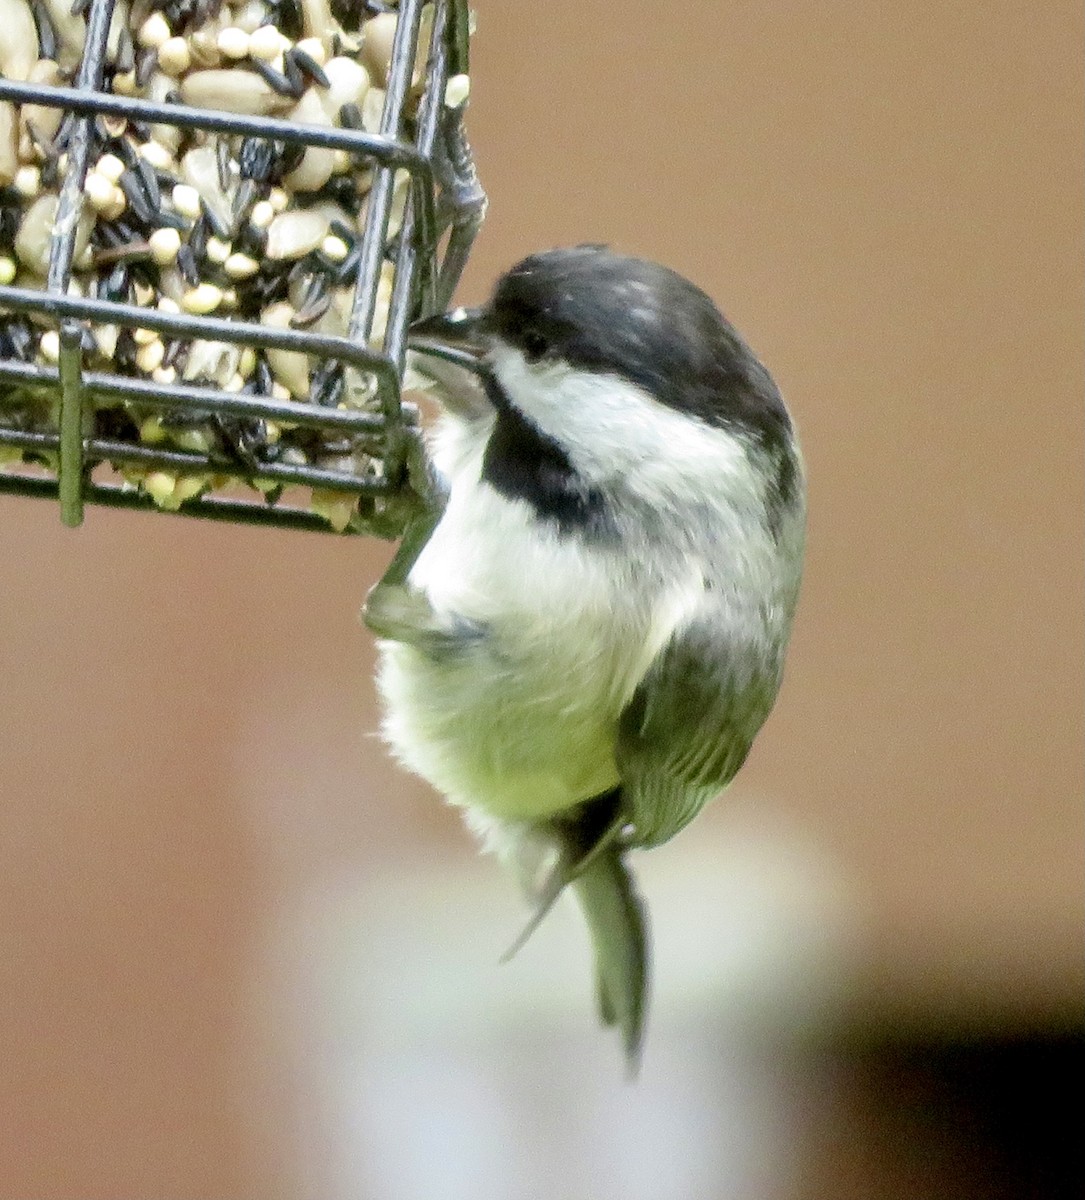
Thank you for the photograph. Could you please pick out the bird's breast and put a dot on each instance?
(521, 719)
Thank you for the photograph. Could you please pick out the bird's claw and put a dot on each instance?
(398, 612)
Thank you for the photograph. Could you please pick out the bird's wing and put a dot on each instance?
(691, 721)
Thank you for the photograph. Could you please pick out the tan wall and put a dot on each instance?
(887, 200)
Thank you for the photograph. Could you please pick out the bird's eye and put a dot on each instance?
(534, 343)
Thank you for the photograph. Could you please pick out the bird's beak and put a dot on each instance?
(456, 337)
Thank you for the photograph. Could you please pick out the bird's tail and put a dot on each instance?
(591, 860)
(617, 919)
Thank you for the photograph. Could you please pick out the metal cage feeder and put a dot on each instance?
(443, 210)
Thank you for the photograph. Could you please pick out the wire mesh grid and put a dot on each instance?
(443, 210)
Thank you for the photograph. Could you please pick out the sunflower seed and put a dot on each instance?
(18, 39)
(296, 232)
(44, 118)
(232, 89)
(293, 72)
(313, 302)
(70, 32)
(315, 167)
(190, 273)
(47, 35)
(132, 185)
(9, 143)
(290, 368)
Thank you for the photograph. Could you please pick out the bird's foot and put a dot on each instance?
(401, 613)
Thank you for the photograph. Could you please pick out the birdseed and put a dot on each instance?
(190, 221)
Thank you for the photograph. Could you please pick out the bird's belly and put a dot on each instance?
(520, 737)
(520, 721)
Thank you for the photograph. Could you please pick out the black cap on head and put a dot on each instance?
(606, 312)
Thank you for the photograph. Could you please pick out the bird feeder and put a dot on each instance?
(217, 222)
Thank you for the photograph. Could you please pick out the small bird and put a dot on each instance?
(581, 636)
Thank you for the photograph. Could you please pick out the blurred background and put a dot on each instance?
(244, 956)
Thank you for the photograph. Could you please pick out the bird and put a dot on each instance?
(586, 624)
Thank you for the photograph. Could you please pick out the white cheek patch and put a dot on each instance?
(614, 431)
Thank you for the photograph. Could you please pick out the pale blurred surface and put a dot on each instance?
(244, 956)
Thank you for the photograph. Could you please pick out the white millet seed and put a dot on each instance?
(27, 181)
(124, 83)
(119, 204)
(234, 384)
(50, 346)
(164, 244)
(334, 248)
(278, 198)
(174, 56)
(7, 270)
(99, 191)
(279, 391)
(105, 197)
(195, 440)
(154, 31)
(186, 200)
(149, 357)
(143, 337)
(314, 47)
(201, 299)
(106, 337)
(266, 43)
(164, 375)
(233, 42)
(261, 216)
(159, 485)
(334, 507)
(218, 251)
(150, 430)
(240, 266)
(246, 364)
(188, 486)
(110, 166)
(457, 91)
(157, 155)
(168, 305)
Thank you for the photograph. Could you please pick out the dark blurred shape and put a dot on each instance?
(931, 1117)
